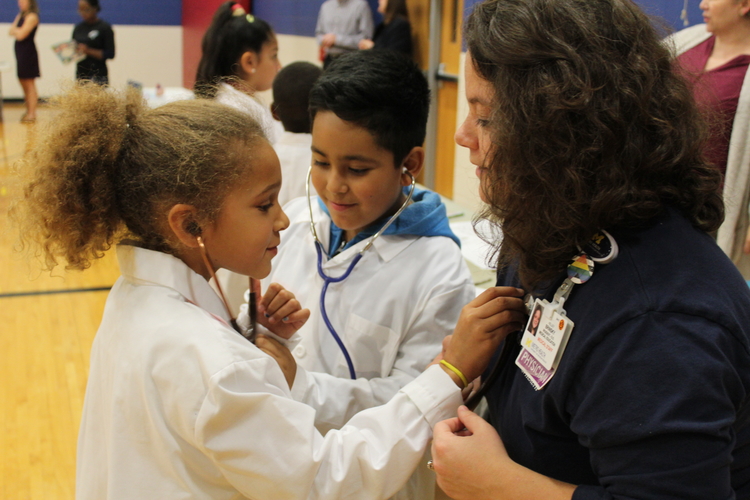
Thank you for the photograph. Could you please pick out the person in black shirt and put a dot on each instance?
(96, 40)
(394, 33)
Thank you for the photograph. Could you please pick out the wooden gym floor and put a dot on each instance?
(47, 324)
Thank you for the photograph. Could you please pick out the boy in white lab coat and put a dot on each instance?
(369, 112)
(291, 90)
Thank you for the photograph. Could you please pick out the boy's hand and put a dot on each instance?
(483, 324)
(281, 354)
(279, 311)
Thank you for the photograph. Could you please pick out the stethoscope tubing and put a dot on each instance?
(327, 280)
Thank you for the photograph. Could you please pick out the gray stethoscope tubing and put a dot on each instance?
(327, 280)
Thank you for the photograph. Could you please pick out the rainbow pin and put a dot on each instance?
(581, 269)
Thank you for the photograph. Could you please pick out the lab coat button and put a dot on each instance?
(299, 351)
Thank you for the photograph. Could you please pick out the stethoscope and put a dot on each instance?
(327, 280)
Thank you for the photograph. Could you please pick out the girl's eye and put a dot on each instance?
(266, 207)
(318, 163)
(359, 171)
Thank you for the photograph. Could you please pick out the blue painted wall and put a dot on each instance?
(138, 12)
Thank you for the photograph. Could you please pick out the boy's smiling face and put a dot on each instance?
(355, 178)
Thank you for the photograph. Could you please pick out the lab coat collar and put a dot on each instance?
(386, 246)
(149, 267)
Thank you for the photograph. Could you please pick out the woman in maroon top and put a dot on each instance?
(715, 57)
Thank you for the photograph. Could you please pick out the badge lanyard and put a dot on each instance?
(548, 330)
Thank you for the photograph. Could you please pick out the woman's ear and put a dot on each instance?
(183, 222)
(248, 63)
(413, 163)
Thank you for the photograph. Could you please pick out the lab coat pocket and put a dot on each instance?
(372, 347)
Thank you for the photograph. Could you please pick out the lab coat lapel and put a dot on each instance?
(143, 266)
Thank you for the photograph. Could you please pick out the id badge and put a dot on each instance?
(543, 343)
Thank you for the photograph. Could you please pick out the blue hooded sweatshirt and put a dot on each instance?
(425, 216)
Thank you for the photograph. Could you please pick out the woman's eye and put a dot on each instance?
(482, 122)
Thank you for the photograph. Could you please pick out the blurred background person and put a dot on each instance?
(23, 30)
(291, 98)
(96, 40)
(240, 56)
(394, 32)
(341, 25)
(715, 57)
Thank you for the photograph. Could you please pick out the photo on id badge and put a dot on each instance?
(544, 340)
(535, 319)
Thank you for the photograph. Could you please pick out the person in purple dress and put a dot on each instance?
(23, 30)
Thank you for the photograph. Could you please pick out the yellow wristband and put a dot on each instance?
(456, 371)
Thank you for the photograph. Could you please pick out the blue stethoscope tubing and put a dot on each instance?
(327, 280)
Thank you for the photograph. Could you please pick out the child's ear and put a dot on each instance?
(413, 162)
(274, 112)
(183, 222)
(248, 63)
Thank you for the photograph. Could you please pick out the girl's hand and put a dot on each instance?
(281, 354)
(366, 44)
(746, 248)
(483, 324)
(279, 311)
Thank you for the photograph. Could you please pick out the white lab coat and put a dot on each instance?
(179, 405)
(240, 101)
(294, 156)
(392, 313)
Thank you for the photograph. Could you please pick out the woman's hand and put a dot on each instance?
(281, 354)
(471, 463)
(746, 248)
(13, 28)
(467, 453)
(366, 44)
(483, 324)
(279, 311)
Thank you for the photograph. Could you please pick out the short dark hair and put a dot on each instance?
(291, 95)
(94, 4)
(381, 91)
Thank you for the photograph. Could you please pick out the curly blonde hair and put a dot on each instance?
(109, 167)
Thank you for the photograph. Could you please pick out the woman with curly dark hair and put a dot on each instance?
(589, 151)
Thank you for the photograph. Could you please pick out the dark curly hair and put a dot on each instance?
(591, 128)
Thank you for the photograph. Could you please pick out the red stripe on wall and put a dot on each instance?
(196, 17)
